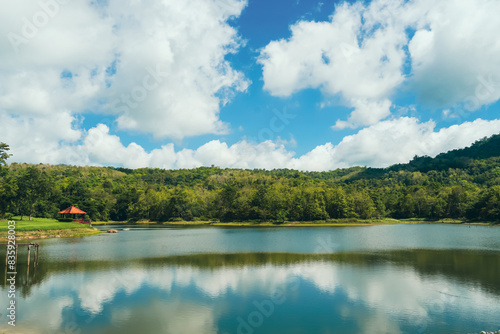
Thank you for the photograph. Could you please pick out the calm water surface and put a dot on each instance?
(376, 279)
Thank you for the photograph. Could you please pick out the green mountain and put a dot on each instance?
(460, 184)
(485, 149)
(461, 158)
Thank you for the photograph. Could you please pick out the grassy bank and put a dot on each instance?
(319, 223)
(41, 228)
(330, 222)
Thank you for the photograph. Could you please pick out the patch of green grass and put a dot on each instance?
(109, 222)
(415, 220)
(40, 224)
(320, 223)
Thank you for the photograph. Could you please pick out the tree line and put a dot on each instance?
(459, 184)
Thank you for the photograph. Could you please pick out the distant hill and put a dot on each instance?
(482, 149)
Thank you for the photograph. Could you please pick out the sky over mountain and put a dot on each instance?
(310, 85)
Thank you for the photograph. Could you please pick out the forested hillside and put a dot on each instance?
(459, 184)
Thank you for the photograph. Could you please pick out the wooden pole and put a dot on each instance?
(28, 266)
(36, 264)
(36, 256)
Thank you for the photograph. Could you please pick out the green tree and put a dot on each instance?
(457, 202)
(33, 186)
(8, 191)
(3, 153)
(336, 203)
(363, 205)
(490, 204)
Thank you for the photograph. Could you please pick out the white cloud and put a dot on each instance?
(399, 140)
(99, 147)
(455, 56)
(185, 49)
(380, 145)
(47, 139)
(360, 55)
(159, 67)
(329, 55)
(365, 113)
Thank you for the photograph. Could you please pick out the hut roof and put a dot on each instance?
(73, 210)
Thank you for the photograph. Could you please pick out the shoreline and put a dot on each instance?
(45, 228)
(251, 223)
(45, 233)
(340, 223)
(51, 234)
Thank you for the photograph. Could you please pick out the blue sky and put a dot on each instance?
(310, 85)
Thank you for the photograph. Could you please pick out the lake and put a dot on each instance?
(415, 278)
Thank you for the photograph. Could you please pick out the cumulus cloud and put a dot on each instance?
(362, 55)
(101, 147)
(398, 141)
(159, 67)
(380, 145)
(455, 56)
(48, 139)
(365, 113)
(333, 56)
(328, 55)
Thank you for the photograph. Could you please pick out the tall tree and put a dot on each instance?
(8, 191)
(33, 186)
(3, 153)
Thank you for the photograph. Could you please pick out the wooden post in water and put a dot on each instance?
(28, 266)
(35, 263)
(35, 260)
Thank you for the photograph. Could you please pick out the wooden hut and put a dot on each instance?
(73, 212)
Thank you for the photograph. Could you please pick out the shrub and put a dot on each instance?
(65, 220)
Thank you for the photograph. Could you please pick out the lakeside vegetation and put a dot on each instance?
(463, 185)
(41, 228)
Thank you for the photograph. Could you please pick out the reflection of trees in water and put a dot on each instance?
(465, 266)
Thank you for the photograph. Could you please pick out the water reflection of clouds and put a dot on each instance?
(389, 292)
(162, 316)
(387, 289)
(28, 316)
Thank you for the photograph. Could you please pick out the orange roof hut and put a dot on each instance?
(73, 210)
